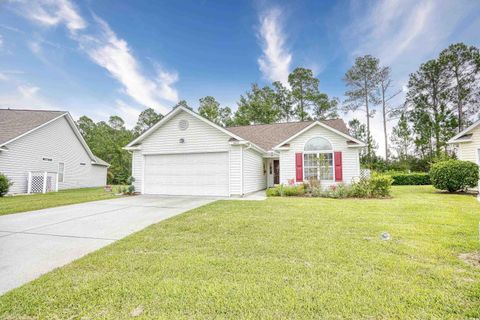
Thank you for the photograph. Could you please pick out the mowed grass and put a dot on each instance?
(22, 203)
(281, 258)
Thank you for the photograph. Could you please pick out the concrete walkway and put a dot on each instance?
(36, 242)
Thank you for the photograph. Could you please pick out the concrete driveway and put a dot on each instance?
(36, 242)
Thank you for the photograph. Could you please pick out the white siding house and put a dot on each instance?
(50, 142)
(186, 154)
(467, 144)
(350, 156)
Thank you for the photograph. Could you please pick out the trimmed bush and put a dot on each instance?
(380, 185)
(4, 184)
(273, 192)
(454, 175)
(410, 179)
(286, 191)
(293, 191)
(377, 186)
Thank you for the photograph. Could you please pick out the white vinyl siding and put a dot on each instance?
(57, 141)
(203, 174)
(254, 177)
(199, 137)
(235, 170)
(137, 170)
(470, 151)
(350, 156)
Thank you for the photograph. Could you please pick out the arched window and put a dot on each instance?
(318, 159)
(318, 144)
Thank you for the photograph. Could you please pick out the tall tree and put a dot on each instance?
(106, 140)
(385, 85)
(182, 103)
(362, 80)
(146, 119)
(427, 99)
(210, 109)
(402, 138)
(325, 108)
(283, 101)
(305, 91)
(461, 68)
(257, 106)
(359, 131)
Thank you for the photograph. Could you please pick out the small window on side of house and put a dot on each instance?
(61, 171)
(47, 159)
(82, 163)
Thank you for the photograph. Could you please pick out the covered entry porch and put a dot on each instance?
(273, 171)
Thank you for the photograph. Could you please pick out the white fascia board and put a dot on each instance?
(466, 131)
(194, 114)
(360, 143)
(74, 127)
(34, 129)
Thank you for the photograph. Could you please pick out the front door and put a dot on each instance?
(276, 171)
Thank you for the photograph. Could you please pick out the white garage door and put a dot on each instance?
(187, 174)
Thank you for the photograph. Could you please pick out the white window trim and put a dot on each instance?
(63, 173)
(318, 152)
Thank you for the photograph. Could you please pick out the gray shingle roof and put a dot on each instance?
(15, 122)
(267, 136)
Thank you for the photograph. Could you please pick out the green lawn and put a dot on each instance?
(22, 203)
(279, 258)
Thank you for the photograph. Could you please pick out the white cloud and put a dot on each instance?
(276, 58)
(54, 12)
(24, 96)
(107, 50)
(114, 54)
(1, 41)
(3, 77)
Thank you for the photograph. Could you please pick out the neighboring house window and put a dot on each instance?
(318, 159)
(61, 171)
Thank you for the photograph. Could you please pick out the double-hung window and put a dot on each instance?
(318, 159)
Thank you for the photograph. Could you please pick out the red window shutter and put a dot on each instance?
(338, 166)
(299, 166)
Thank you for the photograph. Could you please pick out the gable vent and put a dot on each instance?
(183, 124)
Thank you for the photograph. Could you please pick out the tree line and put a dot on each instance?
(442, 98)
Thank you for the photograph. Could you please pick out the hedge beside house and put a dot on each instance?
(412, 179)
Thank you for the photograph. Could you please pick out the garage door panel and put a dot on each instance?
(187, 174)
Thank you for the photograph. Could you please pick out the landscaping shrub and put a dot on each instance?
(410, 179)
(273, 192)
(286, 191)
(4, 184)
(377, 186)
(293, 191)
(380, 185)
(454, 175)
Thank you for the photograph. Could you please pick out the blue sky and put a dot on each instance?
(107, 57)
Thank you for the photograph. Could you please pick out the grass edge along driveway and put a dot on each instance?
(279, 258)
(23, 203)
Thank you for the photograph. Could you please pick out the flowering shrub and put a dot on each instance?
(376, 186)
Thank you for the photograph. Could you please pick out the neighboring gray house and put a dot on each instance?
(34, 143)
(186, 154)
